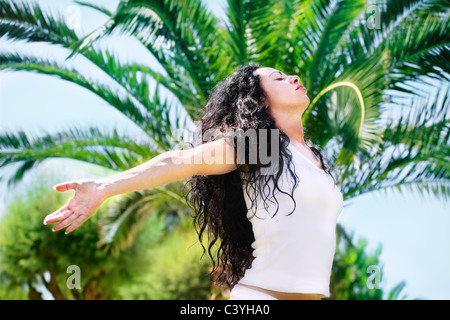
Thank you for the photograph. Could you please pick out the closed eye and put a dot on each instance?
(280, 79)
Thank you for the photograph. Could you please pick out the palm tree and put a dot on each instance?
(353, 70)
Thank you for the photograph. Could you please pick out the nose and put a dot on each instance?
(295, 79)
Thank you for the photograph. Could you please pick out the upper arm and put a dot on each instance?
(211, 158)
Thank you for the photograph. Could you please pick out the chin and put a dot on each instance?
(305, 101)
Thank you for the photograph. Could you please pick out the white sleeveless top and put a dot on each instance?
(294, 253)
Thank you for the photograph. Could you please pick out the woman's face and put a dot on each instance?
(285, 93)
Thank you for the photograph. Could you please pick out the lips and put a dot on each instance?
(300, 87)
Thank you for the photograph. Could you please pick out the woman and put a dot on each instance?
(274, 229)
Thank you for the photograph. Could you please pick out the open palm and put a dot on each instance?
(82, 206)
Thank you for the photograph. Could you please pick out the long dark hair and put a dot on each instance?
(237, 102)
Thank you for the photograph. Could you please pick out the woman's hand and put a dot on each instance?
(87, 199)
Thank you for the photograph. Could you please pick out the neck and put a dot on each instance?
(291, 125)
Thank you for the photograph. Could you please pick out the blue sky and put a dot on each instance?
(412, 230)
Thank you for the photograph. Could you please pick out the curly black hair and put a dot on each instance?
(220, 211)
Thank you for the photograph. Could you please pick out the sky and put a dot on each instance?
(412, 230)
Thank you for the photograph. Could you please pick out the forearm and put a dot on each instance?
(162, 169)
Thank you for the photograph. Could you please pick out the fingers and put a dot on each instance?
(62, 187)
(60, 216)
(57, 212)
(69, 220)
(74, 222)
(78, 222)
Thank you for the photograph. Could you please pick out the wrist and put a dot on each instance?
(103, 187)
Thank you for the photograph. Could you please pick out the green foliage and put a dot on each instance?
(32, 255)
(178, 273)
(349, 276)
(10, 289)
(157, 265)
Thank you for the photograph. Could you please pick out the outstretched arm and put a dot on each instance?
(211, 158)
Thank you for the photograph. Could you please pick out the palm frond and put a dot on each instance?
(94, 6)
(394, 294)
(29, 22)
(127, 214)
(340, 16)
(165, 115)
(394, 13)
(412, 46)
(310, 25)
(333, 64)
(412, 39)
(245, 21)
(154, 118)
(272, 42)
(17, 22)
(358, 109)
(133, 77)
(182, 46)
(342, 118)
(415, 154)
(108, 150)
